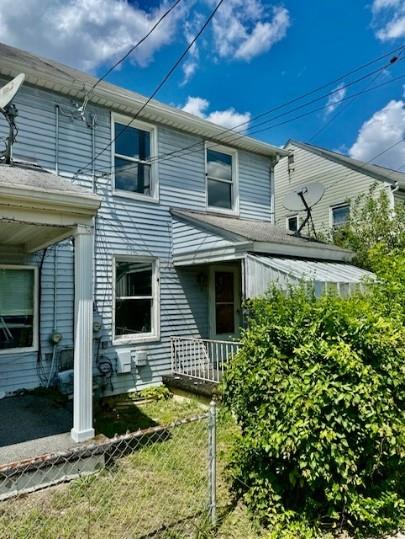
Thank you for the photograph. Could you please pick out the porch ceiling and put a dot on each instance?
(38, 208)
(31, 237)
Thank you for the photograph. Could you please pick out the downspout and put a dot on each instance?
(57, 140)
(393, 188)
(274, 162)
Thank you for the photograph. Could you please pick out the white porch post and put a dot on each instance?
(83, 353)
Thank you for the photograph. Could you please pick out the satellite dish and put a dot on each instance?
(8, 91)
(304, 197)
(10, 113)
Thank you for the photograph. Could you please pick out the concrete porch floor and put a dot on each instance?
(32, 425)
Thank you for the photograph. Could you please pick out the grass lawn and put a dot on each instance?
(159, 483)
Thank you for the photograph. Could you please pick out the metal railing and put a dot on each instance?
(203, 359)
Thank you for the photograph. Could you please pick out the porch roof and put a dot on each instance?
(38, 208)
(246, 235)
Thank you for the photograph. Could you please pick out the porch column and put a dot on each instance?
(83, 324)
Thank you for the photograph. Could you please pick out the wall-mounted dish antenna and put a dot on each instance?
(9, 111)
(304, 198)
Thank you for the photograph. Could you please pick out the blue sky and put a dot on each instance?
(255, 55)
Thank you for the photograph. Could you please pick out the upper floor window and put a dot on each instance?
(221, 179)
(134, 170)
(136, 299)
(340, 215)
(18, 288)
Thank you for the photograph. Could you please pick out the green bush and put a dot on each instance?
(318, 391)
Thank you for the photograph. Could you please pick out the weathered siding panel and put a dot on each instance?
(339, 181)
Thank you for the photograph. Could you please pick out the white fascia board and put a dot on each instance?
(58, 202)
(311, 252)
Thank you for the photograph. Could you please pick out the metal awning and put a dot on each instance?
(263, 271)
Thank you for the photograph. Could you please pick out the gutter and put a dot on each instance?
(116, 98)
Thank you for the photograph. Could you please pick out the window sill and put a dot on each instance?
(130, 341)
(135, 196)
(211, 209)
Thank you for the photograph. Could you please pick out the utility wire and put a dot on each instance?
(237, 135)
(159, 86)
(177, 153)
(393, 60)
(128, 53)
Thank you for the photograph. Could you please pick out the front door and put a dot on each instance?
(224, 302)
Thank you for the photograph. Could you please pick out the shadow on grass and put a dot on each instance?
(120, 415)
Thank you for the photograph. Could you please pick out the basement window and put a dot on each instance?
(18, 319)
(134, 169)
(136, 299)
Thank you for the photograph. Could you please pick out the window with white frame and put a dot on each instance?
(18, 290)
(339, 215)
(136, 298)
(221, 179)
(292, 223)
(134, 171)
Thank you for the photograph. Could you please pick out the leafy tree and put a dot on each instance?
(318, 390)
(373, 222)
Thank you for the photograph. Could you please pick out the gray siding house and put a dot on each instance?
(127, 250)
(343, 178)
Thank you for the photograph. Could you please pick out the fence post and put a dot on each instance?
(212, 463)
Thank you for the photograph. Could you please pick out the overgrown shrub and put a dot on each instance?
(318, 392)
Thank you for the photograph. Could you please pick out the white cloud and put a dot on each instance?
(385, 128)
(389, 19)
(228, 118)
(335, 99)
(85, 33)
(244, 29)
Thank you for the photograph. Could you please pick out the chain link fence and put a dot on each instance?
(158, 482)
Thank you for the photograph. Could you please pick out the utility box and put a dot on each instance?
(140, 358)
(124, 361)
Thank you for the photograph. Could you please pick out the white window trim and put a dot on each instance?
(235, 178)
(290, 217)
(125, 120)
(334, 207)
(34, 346)
(154, 335)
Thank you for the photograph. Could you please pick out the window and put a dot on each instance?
(292, 223)
(221, 180)
(134, 172)
(17, 308)
(136, 302)
(339, 215)
(224, 302)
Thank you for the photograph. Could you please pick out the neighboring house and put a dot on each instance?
(343, 178)
(167, 241)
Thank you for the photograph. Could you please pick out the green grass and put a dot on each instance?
(164, 483)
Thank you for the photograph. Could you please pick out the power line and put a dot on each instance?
(128, 53)
(178, 153)
(232, 131)
(393, 60)
(159, 86)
